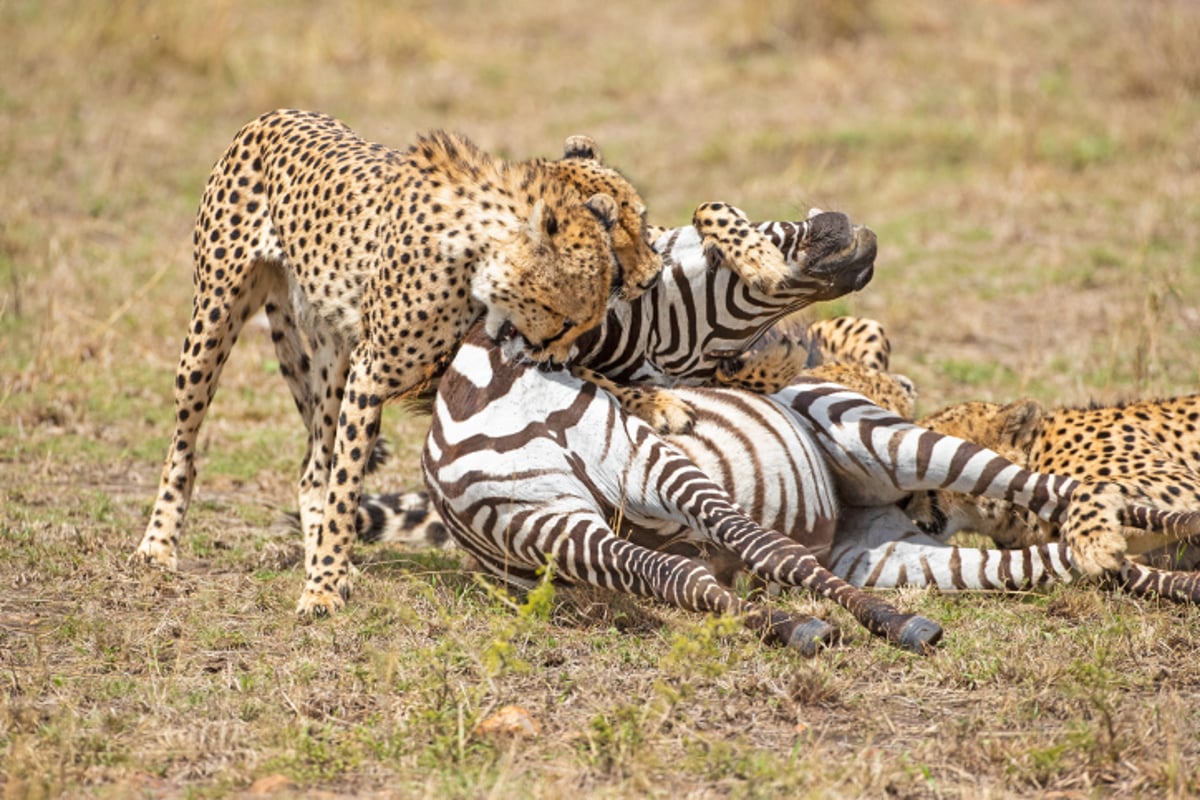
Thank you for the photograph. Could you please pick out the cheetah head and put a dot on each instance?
(554, 281)
(638, 264)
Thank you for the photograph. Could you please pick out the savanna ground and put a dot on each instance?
(1032, 170)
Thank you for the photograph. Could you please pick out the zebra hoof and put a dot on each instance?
(812, 636)
(919, 635)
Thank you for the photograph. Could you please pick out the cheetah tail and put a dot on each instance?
(394, 518)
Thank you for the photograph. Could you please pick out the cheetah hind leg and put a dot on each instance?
(729, 238)
(665, 412)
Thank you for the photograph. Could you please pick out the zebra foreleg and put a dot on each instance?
(777, 558)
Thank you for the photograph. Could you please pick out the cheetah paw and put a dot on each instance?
(1093, 529)
(665, 412)
(729, 239)
(318, 602)
(768, 369)
(670, 415)
(155, 553)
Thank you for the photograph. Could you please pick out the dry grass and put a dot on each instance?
(1031, 168)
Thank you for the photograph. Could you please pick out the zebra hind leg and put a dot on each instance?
(1142, 581)
(777, 558)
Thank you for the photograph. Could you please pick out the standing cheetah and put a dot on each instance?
(371, 263)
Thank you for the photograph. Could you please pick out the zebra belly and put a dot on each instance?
(772, 467)
(540, 455)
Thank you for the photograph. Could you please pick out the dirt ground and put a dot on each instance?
(1031, 169)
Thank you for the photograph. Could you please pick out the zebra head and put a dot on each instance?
(723, 286)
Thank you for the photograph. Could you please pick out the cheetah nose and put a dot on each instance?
(506, 332)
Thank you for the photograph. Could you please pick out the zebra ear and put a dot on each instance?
(582, 147)
(605, 209)
(1020, 422)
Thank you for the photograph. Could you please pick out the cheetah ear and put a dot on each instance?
(582, 147)
(605, 209)
(1020, 422)
(542, 221)
(907, 384)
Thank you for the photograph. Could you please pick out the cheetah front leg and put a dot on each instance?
(665, 412)
(1092, 527)
(729, 238)
(328, 541)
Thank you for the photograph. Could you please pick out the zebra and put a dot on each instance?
(529, 466)
(700, 314)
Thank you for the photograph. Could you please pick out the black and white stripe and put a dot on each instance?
(679, 330)
(528, 466)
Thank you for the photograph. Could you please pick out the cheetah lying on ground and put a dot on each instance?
(1147, 451)
(371, 263)
(852, 351)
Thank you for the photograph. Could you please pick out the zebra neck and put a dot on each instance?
(694, 316)
(787, 236)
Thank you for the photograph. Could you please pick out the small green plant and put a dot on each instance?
(501, 654)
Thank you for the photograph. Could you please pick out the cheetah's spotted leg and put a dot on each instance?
(1093, 528)
(211, 335)
(328, 510)
(330, 365)
(729, 238)
(665, 412)
(768, 369)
